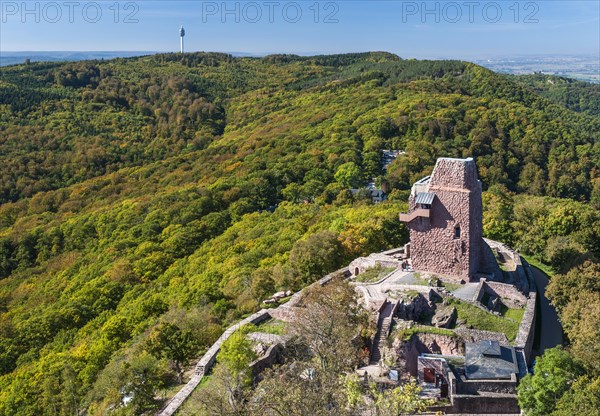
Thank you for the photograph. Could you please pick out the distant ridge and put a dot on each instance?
(19, 57)
(12, 58)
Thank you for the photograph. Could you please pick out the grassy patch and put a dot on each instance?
(451, 286)
(406, 334)
(374, 274)
(420, 282)
(410, 294)
(192, 404)
(543, 267)
(272, 326)
(479, 319)
(516, 314)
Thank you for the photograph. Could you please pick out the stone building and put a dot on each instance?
(482, 381)
(445, 222)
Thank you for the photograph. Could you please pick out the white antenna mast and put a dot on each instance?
(181, 35)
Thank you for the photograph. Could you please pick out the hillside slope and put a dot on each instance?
(147, 202)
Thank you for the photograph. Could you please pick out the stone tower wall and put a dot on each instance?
(434, 247)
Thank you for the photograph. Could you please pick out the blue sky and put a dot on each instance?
(434, 29)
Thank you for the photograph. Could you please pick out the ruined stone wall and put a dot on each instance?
(361, 264)
(207, 361)
(526, 333)
(489, 265)
(274, 355)
(412, 309)
(511, 296)
(410, 351)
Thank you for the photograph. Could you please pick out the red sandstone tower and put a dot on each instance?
(445, 220)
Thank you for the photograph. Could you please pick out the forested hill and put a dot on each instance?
(148, 202)
(64, 123)
(575, 95)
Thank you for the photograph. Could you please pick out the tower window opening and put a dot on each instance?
(457, 232)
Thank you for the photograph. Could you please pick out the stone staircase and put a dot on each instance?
(383, 329)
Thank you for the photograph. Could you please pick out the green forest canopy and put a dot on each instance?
(178, 190)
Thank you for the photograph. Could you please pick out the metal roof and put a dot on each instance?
(490, 348)
(425, 198)
(488, 360)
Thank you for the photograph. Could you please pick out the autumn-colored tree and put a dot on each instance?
(333, 333)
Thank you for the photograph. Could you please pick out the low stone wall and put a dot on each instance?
(480, 291)
(174, 404)
(464, 386)
(483, 404)
(284, 312)
(418, 344)
(477, 335)
(361, 264)
(526, 333)
(207, 361)
(271, 357)
(510, 295)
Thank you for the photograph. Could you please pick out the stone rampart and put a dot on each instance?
(207, 361)
(204, 365)
(526, 333)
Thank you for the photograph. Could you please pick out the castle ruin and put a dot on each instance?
(445, 221)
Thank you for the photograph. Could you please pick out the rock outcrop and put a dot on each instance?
(444, 317)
